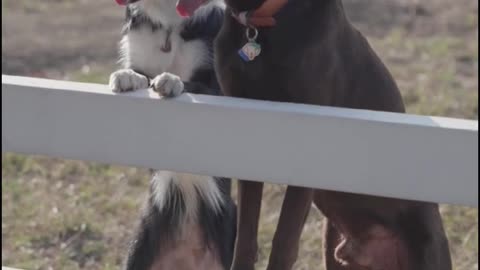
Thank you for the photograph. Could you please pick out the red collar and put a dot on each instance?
(262, 16)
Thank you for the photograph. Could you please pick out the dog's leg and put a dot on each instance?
(356, 241)
(285, 245)
(248, 212)
(379, 233)
(436, 250)
(332, 239)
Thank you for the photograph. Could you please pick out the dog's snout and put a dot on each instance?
(167, 47)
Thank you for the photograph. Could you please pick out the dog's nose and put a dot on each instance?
(167, 47)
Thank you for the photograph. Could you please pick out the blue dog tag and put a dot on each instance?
(249, 51)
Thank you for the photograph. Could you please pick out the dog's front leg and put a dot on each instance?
(249, 204)
(285, 245)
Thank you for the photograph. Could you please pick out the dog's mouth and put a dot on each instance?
(186, 8)
(126, 2)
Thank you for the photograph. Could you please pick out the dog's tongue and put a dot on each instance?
(186, 8)
(121, 2)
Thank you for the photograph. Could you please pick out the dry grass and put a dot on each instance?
(59, 214)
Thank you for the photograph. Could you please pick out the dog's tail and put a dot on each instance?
(179, 199)
(183, 194)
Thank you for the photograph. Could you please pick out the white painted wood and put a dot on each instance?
(395, 155)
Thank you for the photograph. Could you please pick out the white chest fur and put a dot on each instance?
(141, 49)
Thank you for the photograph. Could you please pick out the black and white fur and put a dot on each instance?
(189, 62)
(185, 214)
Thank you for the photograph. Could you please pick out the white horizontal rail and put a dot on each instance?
(386, 154)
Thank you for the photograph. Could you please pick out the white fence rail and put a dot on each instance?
(394, 155)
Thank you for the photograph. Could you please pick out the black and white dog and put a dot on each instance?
(189, 222)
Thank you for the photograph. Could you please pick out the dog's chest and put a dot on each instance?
(142, 50)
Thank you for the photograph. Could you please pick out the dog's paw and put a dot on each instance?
(127, 80)
(168, 84)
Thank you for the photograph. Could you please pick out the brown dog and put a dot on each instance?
(306, 51)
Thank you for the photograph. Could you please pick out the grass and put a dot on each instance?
(91, 74)
(64, 214)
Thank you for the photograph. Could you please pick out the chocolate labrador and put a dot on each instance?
(307, 51)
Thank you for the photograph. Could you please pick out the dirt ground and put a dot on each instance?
(63, 214)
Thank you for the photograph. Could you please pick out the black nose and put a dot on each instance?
(167, 47)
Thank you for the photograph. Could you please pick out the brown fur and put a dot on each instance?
(315, 56)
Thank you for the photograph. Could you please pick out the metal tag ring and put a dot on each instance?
(248, 33)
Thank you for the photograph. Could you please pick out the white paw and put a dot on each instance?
(168, 84)
(127, 80)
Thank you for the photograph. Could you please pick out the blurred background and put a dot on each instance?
(62, 214)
